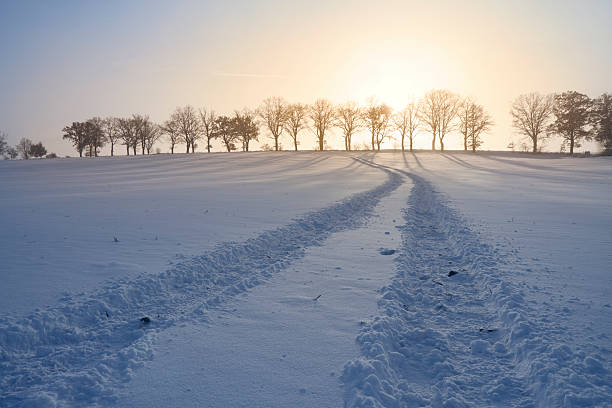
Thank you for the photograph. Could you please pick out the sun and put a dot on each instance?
(395, 76)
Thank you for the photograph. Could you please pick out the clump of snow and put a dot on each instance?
(80, 352)
(500, 295)
(428, 346)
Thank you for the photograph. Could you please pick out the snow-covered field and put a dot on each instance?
(309, 279)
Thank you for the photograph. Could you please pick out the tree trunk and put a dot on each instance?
(295, 143)
(321, 143)
(112, 148)
(128, 149)
(276, 143)
(403, 143)
(188, 147)
(433, 142)
(535, 145)
(81, 153)
(571, 145)
(134, 149)
(441, 145)
(411, 143)
(208, 145)
(465, 143)
(172, 148)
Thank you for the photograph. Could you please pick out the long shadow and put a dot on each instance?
(417, 161)
(471, 166)
(98, 335)
(467, 165)
(289, 164)
(534, 166)
(406, 162)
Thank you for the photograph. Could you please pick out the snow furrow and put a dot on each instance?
(79, 352)
(454, 333)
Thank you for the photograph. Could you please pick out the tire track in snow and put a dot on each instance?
(80, 352)
(469, 339)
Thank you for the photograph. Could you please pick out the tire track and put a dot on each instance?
(452, 332)
(79, 352)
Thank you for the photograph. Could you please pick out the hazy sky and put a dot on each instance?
(64, 61)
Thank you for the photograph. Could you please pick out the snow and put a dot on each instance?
(547, 309)
(257, 343)
(498, 292)
(61, 216)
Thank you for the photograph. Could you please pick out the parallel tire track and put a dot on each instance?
(80, 352)
(469, 339)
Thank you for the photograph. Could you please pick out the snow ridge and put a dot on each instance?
(79, 352)
(453, 333)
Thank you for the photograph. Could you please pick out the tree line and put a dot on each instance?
(26, 148)
(572, 115)
(439, 112)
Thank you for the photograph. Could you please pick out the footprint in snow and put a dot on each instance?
(384, 251)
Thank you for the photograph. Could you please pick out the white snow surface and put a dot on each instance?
(259, 342)
(227, 255)
(60, 217)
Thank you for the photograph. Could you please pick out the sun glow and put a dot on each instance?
(395, 76)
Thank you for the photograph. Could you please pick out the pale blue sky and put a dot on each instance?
(64, 61)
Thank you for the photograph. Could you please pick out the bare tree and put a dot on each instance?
(11, 152)
(37, 150)
(170, 128)
(295, 120)
(111, 131)
(151, 134)
(245, 127)
(226, 131)
(377, 119)
(188, 125)
(473, 122)
(3, 143)
(572, 112)
(602, 120)
(138, 125)
(429, 114)
(77, 134)
(482, 124)
(448, 106)
(272, 112)
(207, 119)
(531, 114)
(349, 120)
(466, 114)
(128, 133)
(322, 114)
(23, 148)
(96, 137)
(407, 122)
